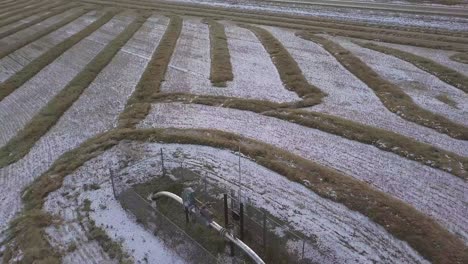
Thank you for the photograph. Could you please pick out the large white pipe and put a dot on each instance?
(224, 232)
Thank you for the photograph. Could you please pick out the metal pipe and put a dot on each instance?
(223, 231)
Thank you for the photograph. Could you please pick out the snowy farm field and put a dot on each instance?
(283, 131)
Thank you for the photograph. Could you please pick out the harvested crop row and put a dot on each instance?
(31, 21)
(290, 73)
(358, 104)
(221, 68)
(396, 217)
(460, 57)
(24, 14)
(407, 180)
(39, 117)
(423, 88)
(8, 10)
(297, 22)
(391, 95)
(442, 57)
(405, 146)
(17, 74)
(90, 115)
(255, 74)
(21, 39)
(445, 74)
(352, 232)
(4, 6)
(150, 82)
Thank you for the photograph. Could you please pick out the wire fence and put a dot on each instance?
(270, 237)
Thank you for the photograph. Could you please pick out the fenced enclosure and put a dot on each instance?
(272, 239)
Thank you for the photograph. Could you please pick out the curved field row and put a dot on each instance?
(407, 180)
(422, 87)
(392, 96)
(18, 108)
(342, 234)
(350, 98)
(395, 216)
(98, 112)
(20, 58)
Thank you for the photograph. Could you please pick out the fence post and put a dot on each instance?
(303, 247)
(264, 234)
(162, 163)
(111, 173)
(226, 220)
(241, 213)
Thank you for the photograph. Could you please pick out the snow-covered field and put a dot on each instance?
(440, 56)
(342, 234)
(408, 180)
(15, 61)
(17, 109)
(350, 98)
(420, 85)
(255, 76)
(98, 112)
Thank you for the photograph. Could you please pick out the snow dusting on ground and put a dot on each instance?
(410, 181)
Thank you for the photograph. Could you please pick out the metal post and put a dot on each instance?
(226, 220)
(303, 247)
(264, 233)
(186, 215)
(112, 182)
(241, 213)
(162, 163)
(240, 177)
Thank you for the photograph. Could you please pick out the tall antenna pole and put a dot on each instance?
(240, 177)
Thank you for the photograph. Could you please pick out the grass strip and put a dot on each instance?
(392, 97)
(404, 222)
(221, 68)
(296, 22)
(22, 10)
(442, 72)
(460, 57)
(52, 13)
(290, 73)
(382, 139)
(14, 6)
(25, 139)
(137, 107)
(4, 51)
(35, 66)
(25, 14)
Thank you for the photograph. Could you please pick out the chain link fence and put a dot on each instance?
(272, 239)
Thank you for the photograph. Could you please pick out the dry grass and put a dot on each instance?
(401, 220)
(25, 139)
(380, 138)
(442, 72)
(35, 66)
(5, 50)
(447, 100)
(418, 35)
(460, 57)
(290, 73)
(221, 68)
(150, 82)
(392, 96)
